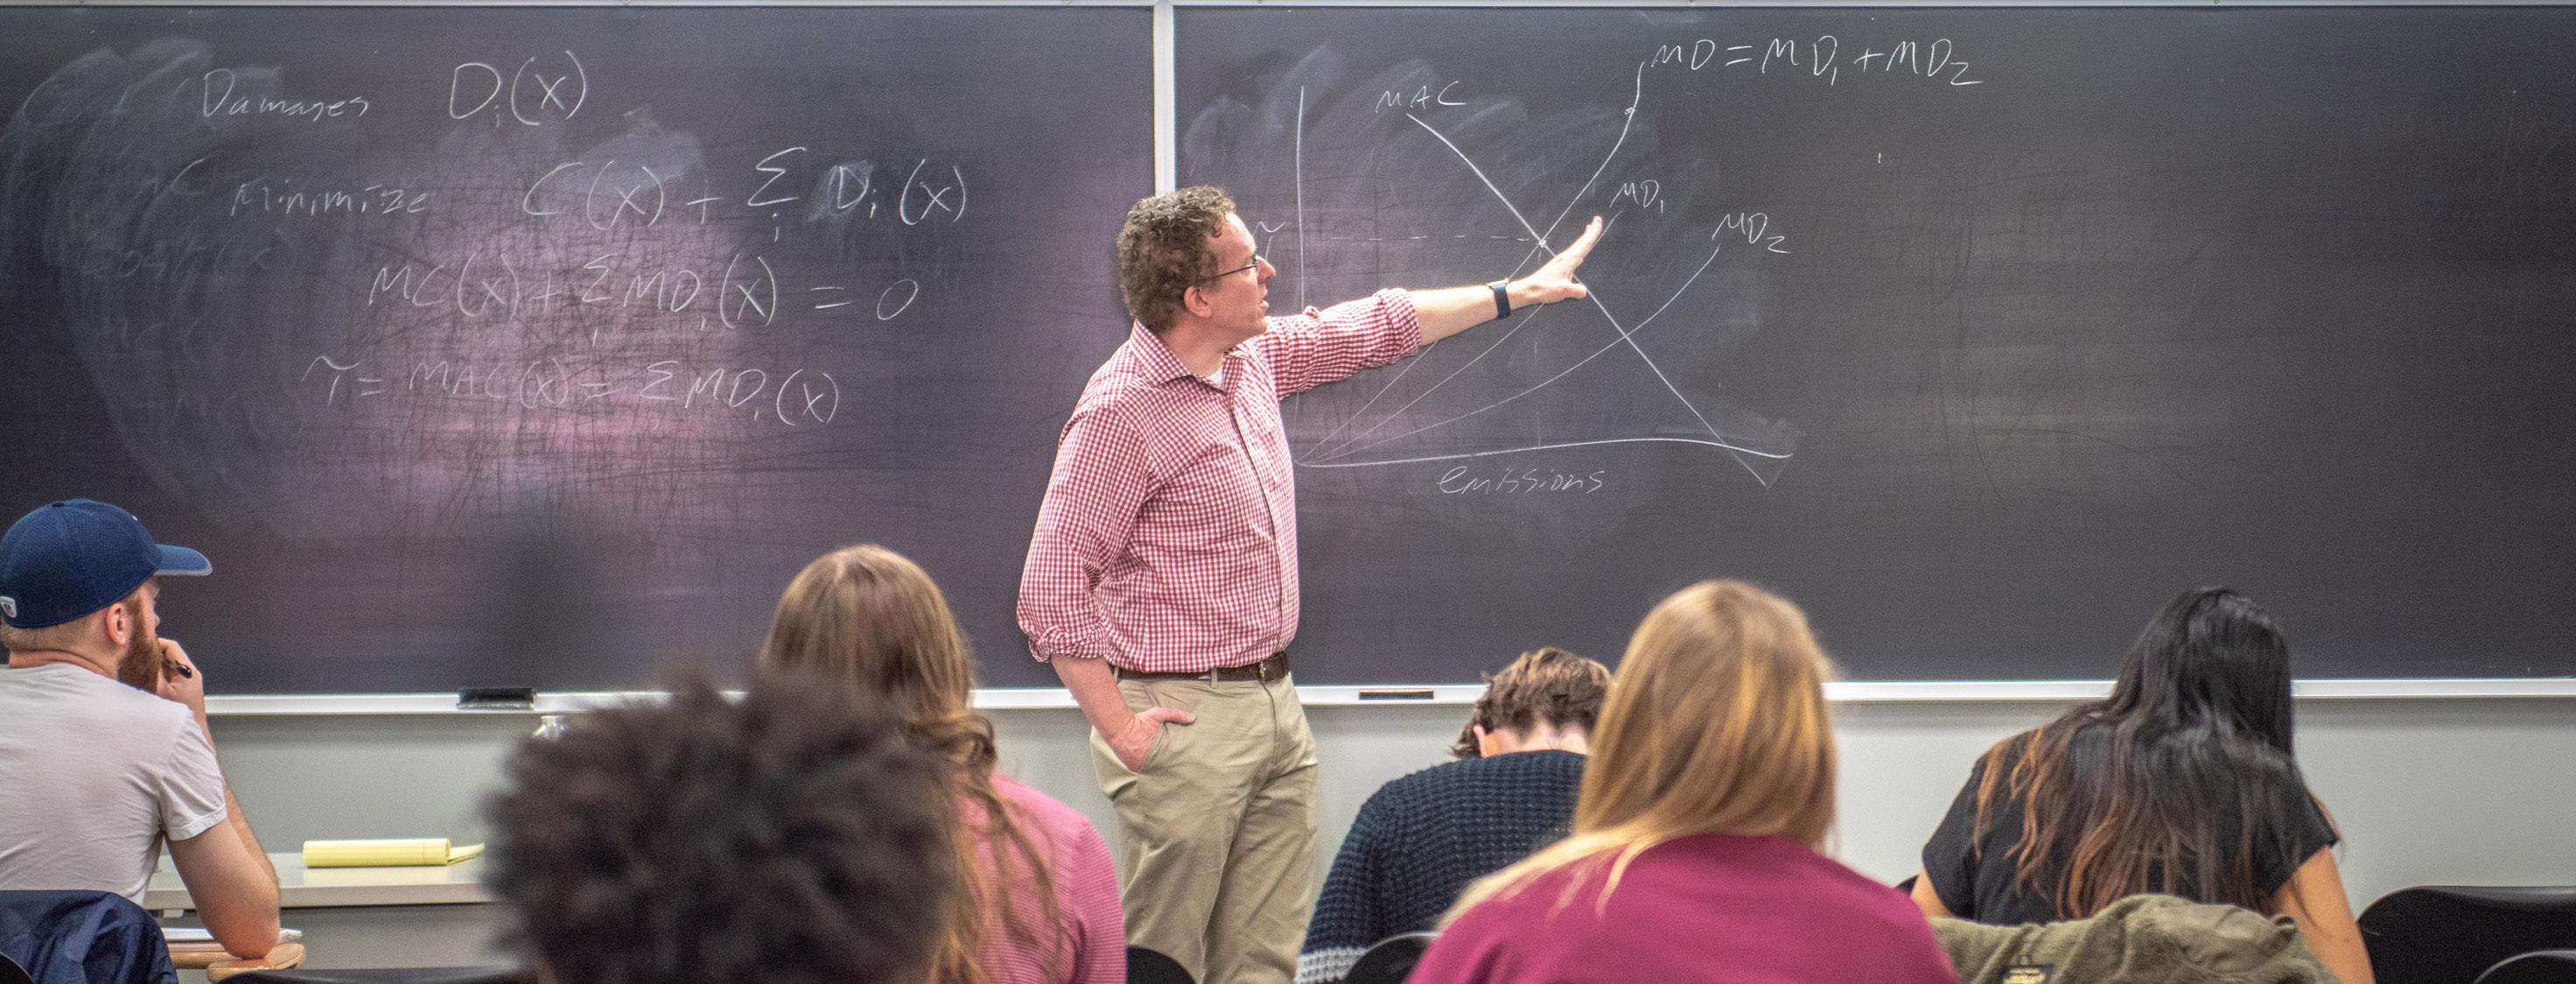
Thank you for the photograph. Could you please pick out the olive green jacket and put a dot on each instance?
(2142, 939)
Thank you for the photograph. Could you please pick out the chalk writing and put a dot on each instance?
(163, 259)
(1753, 227)
(793, 398)
(744, 292)
(1422, 98)
(1644, 194)
(1824, 57)
(222, 98)
(610, 193)
(933, 196)
(1381, 425)
(281, 197)
(1462, 480)
(527, 94)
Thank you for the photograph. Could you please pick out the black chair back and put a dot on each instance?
(11, 973)
(390, 975)
(2450, 934)
(1391, 960)
(1152, 967)
(2537, 967)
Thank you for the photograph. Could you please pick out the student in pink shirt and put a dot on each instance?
(1694, 855)
(1042, 899)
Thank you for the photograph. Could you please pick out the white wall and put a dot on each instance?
(2426, 791)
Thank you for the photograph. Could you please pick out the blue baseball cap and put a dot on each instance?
(70, 558)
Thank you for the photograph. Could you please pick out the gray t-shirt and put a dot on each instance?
(96, 774)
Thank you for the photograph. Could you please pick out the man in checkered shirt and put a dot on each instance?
(1161, 582)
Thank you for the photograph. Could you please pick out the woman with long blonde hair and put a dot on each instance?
(1042, 897)
(1695, 853)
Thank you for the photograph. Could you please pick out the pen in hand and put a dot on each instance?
(169, 665)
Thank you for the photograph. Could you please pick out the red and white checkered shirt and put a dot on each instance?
(1168, 539)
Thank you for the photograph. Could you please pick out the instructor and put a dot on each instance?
(1161, 582)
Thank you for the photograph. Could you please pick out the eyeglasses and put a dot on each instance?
(1257, 261)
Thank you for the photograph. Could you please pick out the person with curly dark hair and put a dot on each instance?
(795, 837)
(1161, 581)
(1421, 839)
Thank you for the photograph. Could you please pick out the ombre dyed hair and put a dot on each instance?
(2176, 783)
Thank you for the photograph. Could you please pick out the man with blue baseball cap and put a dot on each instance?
(104, 748)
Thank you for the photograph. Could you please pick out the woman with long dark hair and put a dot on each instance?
(2182, 782)
(1041, 898)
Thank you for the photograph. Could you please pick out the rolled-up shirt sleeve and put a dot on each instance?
(1100, 484)
(1313, 347)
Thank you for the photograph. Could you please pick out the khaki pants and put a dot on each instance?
(1216, 835)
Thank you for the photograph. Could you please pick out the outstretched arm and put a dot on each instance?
(1450, 310)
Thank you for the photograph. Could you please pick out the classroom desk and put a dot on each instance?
(373, 917)
(313, 888)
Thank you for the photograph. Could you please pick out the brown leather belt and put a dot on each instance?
(1267, 670)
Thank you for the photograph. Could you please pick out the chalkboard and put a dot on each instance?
(541, 347)
(1978, 332)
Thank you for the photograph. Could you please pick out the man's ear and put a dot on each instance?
(1489, 744)
(1196, 302)
(116, 625)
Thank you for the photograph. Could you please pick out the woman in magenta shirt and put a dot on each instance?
(1694, 855)
(1042, 899)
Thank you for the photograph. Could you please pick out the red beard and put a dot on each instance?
(141, 666)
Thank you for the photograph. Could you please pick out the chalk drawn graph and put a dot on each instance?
(1415, 411)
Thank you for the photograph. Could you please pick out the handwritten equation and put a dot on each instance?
(518, 235)
(793, 398)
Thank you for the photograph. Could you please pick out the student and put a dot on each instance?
(1041, 899)
(1420, 839)
(2181, 782)
(104, 748)
(796, 837)
(1694, 855)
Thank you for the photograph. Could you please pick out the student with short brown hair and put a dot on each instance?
(1695, 853)
(1421, 839)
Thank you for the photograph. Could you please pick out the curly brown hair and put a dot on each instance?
(1545, 684)
(794, 837)
(1163, 250)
